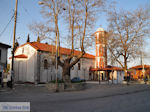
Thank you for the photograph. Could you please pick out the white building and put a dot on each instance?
(111, 73)
(34, 62)
(3, 57)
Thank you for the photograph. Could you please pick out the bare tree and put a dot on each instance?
(42, 30)
(127, 31)
(79, 17)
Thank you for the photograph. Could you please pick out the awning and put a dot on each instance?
(19, 56)
(111, 68)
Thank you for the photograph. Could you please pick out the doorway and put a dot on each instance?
(102, 76)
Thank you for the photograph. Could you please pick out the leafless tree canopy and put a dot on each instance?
(42, 30)
(74, 17)
(127, 32)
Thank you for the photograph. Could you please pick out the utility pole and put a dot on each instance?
(142, 61)
(57, 48)
(13, 47)
(143, 69)
(56, 62)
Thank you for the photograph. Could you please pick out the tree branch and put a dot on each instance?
(59, 61)
(77, 59)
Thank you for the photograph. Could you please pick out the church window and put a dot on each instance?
(22, 50)
(45, 64)
(79, 66)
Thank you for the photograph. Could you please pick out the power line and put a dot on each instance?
(10, 39)
(27, 12)
(6, 25)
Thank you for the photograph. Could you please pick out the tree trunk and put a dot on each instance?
(125, 64)
(125, 72)
(67, 65)
(125, 68)
(66, 74)
(66, 71)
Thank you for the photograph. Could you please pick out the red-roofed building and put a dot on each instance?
(109, 73)
(102, 71)
(35, 62)
(141, 71)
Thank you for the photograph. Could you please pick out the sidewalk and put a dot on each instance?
(110, 82)
(92, 88)
(5, 89)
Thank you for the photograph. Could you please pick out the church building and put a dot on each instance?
(35, 62)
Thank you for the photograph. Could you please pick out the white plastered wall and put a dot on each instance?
(83, 73)
(46, 75)
(24, 69)
(117, 76)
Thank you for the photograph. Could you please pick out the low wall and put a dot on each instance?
(52, 87)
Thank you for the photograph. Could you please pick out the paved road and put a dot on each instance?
(98, 98)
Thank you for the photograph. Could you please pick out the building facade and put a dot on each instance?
(3, 57)
(100, 48)
(35, 62)
(102, 71)
(140, 72)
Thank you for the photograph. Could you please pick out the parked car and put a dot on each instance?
(76, 79)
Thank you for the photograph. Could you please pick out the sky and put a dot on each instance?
(29, 11)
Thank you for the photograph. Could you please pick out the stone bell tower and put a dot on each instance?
(101, 50)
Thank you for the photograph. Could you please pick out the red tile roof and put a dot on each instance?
(20, 56)
(107, 68)
(114, 68)
(140, 66)
(51, 48)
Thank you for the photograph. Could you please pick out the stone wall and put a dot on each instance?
(52, 87)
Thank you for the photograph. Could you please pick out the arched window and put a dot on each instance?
(45, 64)
(22, 50)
